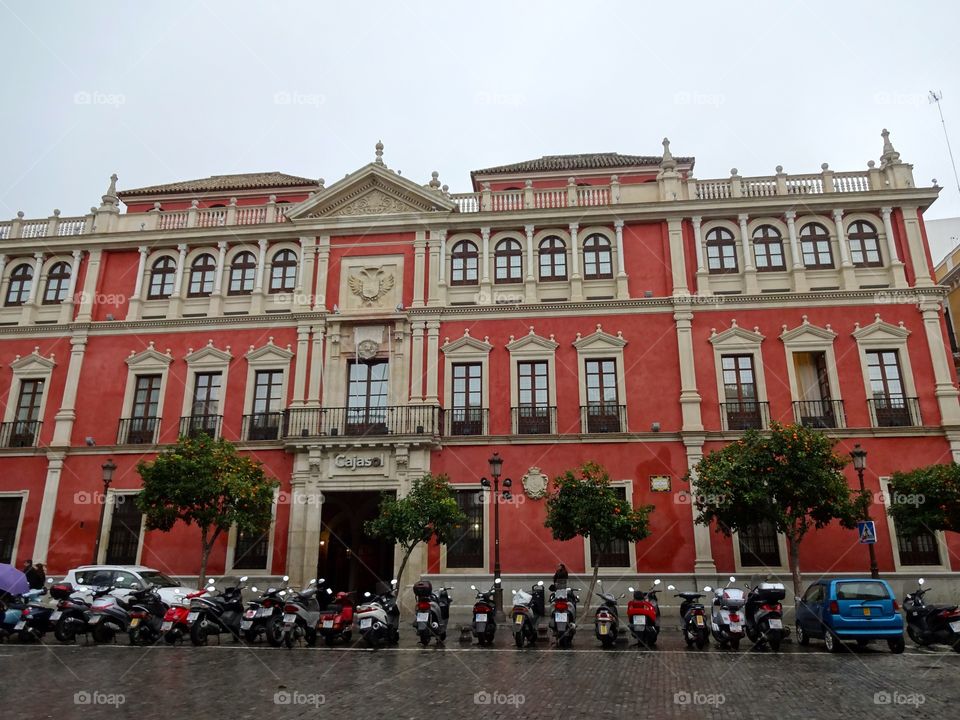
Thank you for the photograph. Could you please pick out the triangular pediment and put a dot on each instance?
(880, 328)
(532, 342)
(268, 353)
(34, 362)
(466, 344)
(371, 190)
(736, 336)
(149, 358)
(208, 355)
(599, 338)
(807, 331)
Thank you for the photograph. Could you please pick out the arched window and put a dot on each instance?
(815, 246)
(58, 283)
(553, 259)
(20, 281)
(864, 244)
(242, 272)
(508, 262)
(597, 258)
(283, 272)
(161, 278)
(464, 262)
(721, 251)
(768, 248)
(203, 269)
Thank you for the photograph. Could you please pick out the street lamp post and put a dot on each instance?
(859, 456)
(496, 465)
(108, 467)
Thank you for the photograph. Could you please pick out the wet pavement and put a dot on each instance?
(461, 680)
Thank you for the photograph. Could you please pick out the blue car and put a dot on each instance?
(841, 610)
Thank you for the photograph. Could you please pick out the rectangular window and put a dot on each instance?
(921, 549)
(264, 422)
(26, 420)
(124, 539)
(740, 393)
(759, 546)
(467, 399)
(250, 550)
(465, 549)
(206, 394)
(603, 410)
(145, 410)
(367, 398)
(814, 408)
(886, 388)
(9, 522)
(533, 396)
(618, 554)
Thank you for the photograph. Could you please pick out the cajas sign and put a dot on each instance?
(358, 462)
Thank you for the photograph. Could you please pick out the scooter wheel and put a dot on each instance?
(25, 637)
(289, 640)
(273, 629)
(774, 638)
(735, 643)
(64, 630)
(518, 639)
(102, 634)
(425, 638)
(689, 640)
(198, 634)
(310, 637)
(915, 636)
(328, 640)
(701, 640)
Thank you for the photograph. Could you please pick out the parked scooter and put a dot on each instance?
(563, 615)
(726, 623)
(264, 616)
(300, 614)
(70, 617)
(34, 620)
(336, 622)
(606, 621)
(643, 614)
(379, 618)
(763, 615)
(484, 625)
(176, 624)
(147, 611)
(694, 617)
(12, 612)
(931, 624)
(433, 612)
(528, 608)
(216, 614)
(107, 616)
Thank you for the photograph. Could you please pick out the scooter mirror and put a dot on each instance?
(539, 583)
(254, 588)
(312, 581)
(322, 580)
(243, 579)
(366, 594)
(732, 579)
(657, 581)
(286, 578)
(473, 587)
(630, 589)
(671, 587)
(513, 592)
(497, 581)
(392, 582)
(210, 581)
(707, 588)
(920, 581)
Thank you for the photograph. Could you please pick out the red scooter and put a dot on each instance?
(336, 622)
(175, 625)
(643, 614)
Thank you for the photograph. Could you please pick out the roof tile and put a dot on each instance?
(242, 181)
(582, 161)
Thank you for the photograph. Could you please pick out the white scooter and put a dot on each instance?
(727, 621)
(378, 617)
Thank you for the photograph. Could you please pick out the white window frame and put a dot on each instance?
(147, 362)
(534, 348)
(880, 335)
(600, 345)
(232, 544)
(631, 546)
(110, 502)
(267, 357)
(467, 350)
(809, 338)
(31, 367)
(783, 568)
(940, 537)
(207, 359)
(737, 341)
(485, 496)
(24, 496)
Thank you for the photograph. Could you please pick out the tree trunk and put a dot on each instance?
(403, 565)
(586, 604)
(793, 550)
(205, 548)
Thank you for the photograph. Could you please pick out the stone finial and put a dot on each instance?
(20, 214)
(466, 332)
(112, 190)
(194, 203)
(512, 338)
(824, 166)
(321, 183)
(871, 164)
(805, 320)
(56, 211)
(156, 206)
(733, 323)
(485, 186)
(531, 332)
(109, 201)
(486, 339)
(668, 162)
(934, 182)
(779, 169)
(734, 172)
(379, 152)
(435, 180)
(889, 156)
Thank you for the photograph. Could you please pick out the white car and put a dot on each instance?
(87, 578)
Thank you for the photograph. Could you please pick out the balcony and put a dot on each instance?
(603, 418)
(193, 425)
(262, 426)
(138, 431)
(745, 415)
(19, 433)
(534, 420)
(894, 411)
(823, 414)
(461, 422)
(359, 422)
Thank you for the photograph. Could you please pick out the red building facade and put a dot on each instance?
(597, 307)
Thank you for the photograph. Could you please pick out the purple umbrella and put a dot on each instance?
(12, 580)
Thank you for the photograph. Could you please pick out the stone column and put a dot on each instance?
(917, 248)
(704, 567)
(133, 309)
(300, 367)
(66, 307)
(216, 297)
(437, 253)
(752, 287)
(945, 390)
(703, 274)
(433, 360)
(66, 415)
(576, 280)
(689, 396)
(41, 545)
(798, 270)
(898, 277)
(303, 293)
(176, 299)
(306, 507)
(678, 265)
(89, 293)
(419, 262)
(30, 306)
(258, 297)
(847, 271)
(323, 259)
(623, 291)
(486, 288)
(316, 367)
(530, 280)
(416, 363)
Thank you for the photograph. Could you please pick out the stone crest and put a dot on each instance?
(370, 284)
(366, 349)
(375, 202)
(535, 483)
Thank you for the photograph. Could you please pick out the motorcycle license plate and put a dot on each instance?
(166, 627)
(603, 629)
(423, 617)
(290, 617)
(518, 620)
(134, 622)
(365, 623)
(192, 617)
(775, 623)
(735, 627)
(700, 620)
(639, 620)
(55, 616)
(20, 625)
(94, 619)
(559, 617)
(246, 625)
(480, 617)
(250, 614)
(955, 626)
(264, 612)
(328, 624)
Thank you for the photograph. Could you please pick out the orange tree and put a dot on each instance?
(926, 499)
(789, 477)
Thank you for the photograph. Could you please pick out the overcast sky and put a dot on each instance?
(168, 91)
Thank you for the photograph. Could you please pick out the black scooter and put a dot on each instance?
(34, 620)
(264, 616)
(70, 617)
(216, 614)
(563, 615)
(433, 612)
(606, 621)
(694, 618)
(764, 615)
(484, 625)
(931, 624)
(528, 608)
(146, 610)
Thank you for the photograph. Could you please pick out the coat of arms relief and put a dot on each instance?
(370, 285)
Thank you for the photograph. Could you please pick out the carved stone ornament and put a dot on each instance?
(370, 284)
(366, 349)
(535, 483)
(375, 202)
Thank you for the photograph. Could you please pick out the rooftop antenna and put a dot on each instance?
(935, 97)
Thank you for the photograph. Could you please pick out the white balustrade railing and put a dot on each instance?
(173, 220)
(851, 182)
(33, 228)
(5, 231)
(251, 215)
(713, 189)
(550, 198)
(212, 217)
(507, 200)
(759, 187)
(467, 202)
(71, 226)
(593, 195)
(804, 184)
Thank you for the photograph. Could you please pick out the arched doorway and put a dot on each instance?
(349, 559)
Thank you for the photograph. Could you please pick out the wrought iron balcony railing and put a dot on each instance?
(894, 411)
(262, 426)
(19, 433)
(459, 422)
(534, 420)
(193, 425)
(386, 420)
(745, 415)
(603, 418)
(138, 430)
(819, 413)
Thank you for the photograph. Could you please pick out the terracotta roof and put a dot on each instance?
(584, 161)
(243, 181)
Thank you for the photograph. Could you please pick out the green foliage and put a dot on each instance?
(583, 504)
(926, 499)
(429, 510)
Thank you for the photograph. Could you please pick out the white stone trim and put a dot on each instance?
(807, 337)
(271, 536)
(940, 537)
(30, 367)
(266, 357)
(110, 502)
(466, 349)
(631, 546)
(737, 341)
(24, 496)
(487, 502)
(880, 335)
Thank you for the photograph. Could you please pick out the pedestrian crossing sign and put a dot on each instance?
(867, 532)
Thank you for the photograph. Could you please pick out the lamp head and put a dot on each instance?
(496, 464)
(859, 456)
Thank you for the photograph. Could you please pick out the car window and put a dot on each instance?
(95, 578)
(813, 593)
(124, 579)
(862, 590)
(158, 579)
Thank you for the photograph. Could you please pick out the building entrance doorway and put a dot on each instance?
(349, 559)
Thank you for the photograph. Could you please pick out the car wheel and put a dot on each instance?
(802, 637)
(832, 642)
(896, 645)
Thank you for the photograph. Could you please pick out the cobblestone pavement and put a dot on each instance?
(464, 681)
